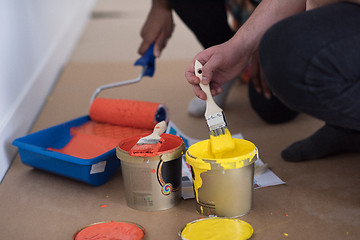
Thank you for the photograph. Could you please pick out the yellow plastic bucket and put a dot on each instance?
(223, 186)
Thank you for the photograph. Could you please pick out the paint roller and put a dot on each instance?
(124, 113)
(129, 113)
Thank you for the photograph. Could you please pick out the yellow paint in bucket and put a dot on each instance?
(217, 229)
(223, 186)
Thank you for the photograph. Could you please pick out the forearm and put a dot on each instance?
(157, 28)
(311, 4)
(269, 12)
(265, 15)
(161, 3)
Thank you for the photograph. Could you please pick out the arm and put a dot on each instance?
(311, 4)
(225, 61)
(157, 28)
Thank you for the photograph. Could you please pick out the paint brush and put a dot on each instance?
(149, 146)
(215, 118)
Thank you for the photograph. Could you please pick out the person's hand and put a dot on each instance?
(157, 28)
(257, 77)
(221, 63)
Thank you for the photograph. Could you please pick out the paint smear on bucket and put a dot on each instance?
(217, 229)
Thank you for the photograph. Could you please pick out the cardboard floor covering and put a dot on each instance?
(320, 200)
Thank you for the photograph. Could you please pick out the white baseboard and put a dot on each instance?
(26, 108)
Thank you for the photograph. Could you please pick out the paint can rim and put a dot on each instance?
(168, 154)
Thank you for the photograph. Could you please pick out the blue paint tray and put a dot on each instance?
(33, 148)
(33, 152)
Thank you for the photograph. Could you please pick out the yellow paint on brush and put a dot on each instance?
(222, 144)
(217, 229)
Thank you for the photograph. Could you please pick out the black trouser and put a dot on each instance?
(311, 61)
(207, 19)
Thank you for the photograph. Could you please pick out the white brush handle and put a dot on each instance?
(158, 130)
(211, 106)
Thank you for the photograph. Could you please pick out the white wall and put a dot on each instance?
(36, 39)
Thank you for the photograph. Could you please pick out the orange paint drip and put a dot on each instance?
(111, 231)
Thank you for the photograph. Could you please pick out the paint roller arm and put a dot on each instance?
(148, 63)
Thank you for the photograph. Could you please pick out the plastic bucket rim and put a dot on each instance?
(207, 164)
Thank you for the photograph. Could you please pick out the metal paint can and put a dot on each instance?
(224, 186)
(152, 183)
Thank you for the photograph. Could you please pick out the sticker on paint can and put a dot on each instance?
(168, 175)
(167, 189)
(98, 167)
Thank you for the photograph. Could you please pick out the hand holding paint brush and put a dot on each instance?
(149, 146)
(220, 137)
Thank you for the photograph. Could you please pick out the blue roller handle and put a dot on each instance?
(147, 61)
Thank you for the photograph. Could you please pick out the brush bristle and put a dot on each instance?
(143, 141)
(218, 131)
(146, 149)
(217, 123)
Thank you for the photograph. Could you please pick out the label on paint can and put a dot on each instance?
(98, 167)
